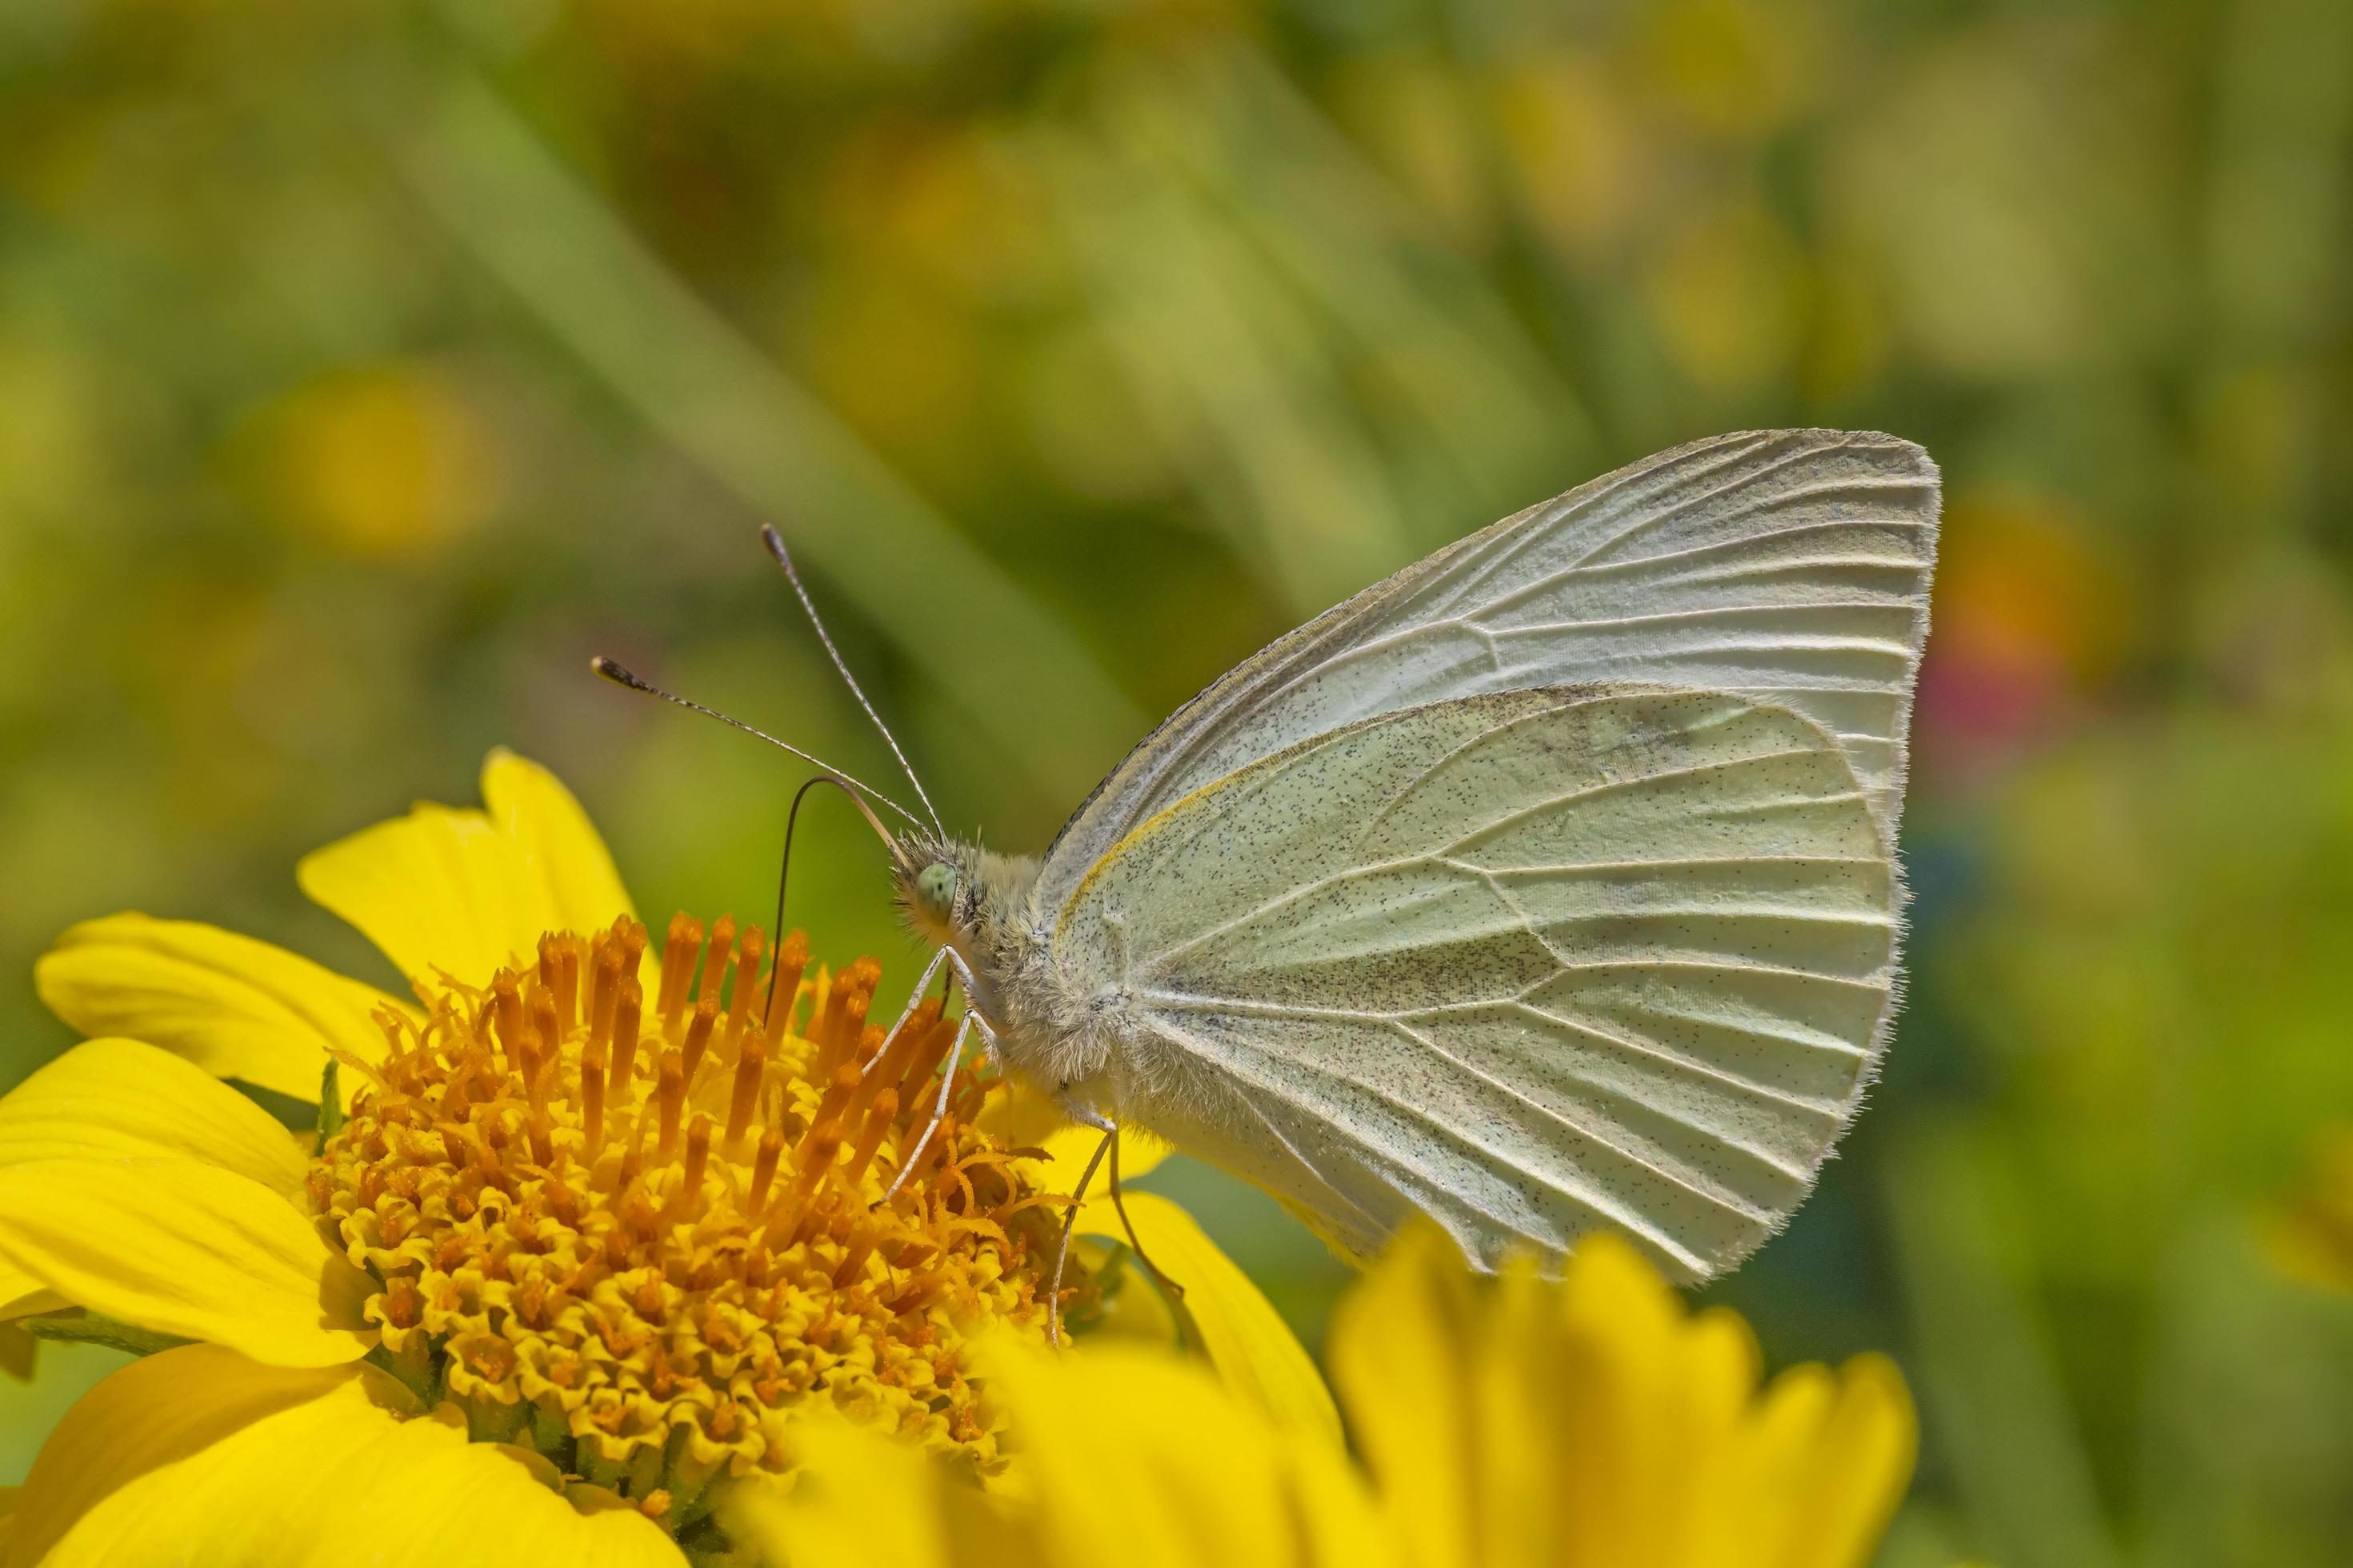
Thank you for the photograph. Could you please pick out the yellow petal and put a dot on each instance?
(1853, 1460)
(21, 1295)
(437, 889)
(1023, 1117)
(122, 1098)
(850, 1478)
(1127, 1456)
(1149, 1456)
(1254, 1351)
(153, 1413)
(463, 893)
(185, 1248)
(1399, 1355)
(1070, 1147)
(197, 1456)
(555, 844)
(1139, 1312)
(1594, 1422)
(1512, 1390)
(236, 1007)
(1642, 1418)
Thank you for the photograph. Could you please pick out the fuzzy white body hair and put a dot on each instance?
(1067, 1042)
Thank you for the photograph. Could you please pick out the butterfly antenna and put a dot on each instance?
(784, 864)
(776, 544)
(620, 676)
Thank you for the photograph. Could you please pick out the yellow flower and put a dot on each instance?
(2310, 1236)
(579, 1228)
(1587, 1423)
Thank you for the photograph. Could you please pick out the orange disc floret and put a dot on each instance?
(633, 1238)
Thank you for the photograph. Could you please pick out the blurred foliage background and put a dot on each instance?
(364, 368)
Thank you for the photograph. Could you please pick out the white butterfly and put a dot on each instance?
(1550, 884)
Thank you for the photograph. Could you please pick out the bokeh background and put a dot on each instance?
(366, 367)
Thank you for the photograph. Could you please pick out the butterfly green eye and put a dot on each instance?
(935, 887)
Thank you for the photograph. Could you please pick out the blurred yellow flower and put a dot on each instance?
(2311, 1236)
(580, 1228)
(1730, 68)
(1512, 1424)
(384, 461)
(1729, 289)
(1574, 149)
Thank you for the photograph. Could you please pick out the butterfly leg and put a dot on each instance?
(970, 1023)
(973, 1019)
(972, 993)
(939, 1106)
(1087, 1116)
(914, 1000)
(1070, 1223)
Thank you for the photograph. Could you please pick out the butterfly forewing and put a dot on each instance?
(1530, 961)
(1787, 566)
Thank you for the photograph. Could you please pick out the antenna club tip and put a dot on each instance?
(772, 539)
(617, 674)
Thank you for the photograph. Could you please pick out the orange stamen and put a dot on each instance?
(678, 965)
(878, 1123)
(698, 1035)
(567, 981)
(853, 1260)
(545, 1018)
(748, 949)
(622, 1084)
(818, 1152)
(507, 999)
(944, 1139)
(749, 1066)
(837, 1093)
(672, 1095)
(592, 1096)
(714, 957)
(891, 1062)
(924, 1060)
(837, 1031)
(763, 1170)
(607, 990)
(785, 983)
(698, 1158)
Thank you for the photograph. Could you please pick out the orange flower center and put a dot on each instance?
(633, 1239)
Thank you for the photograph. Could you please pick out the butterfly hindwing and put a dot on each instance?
(1530, 961)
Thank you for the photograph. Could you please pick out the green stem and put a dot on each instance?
(331, 1116)
(76, 1326)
